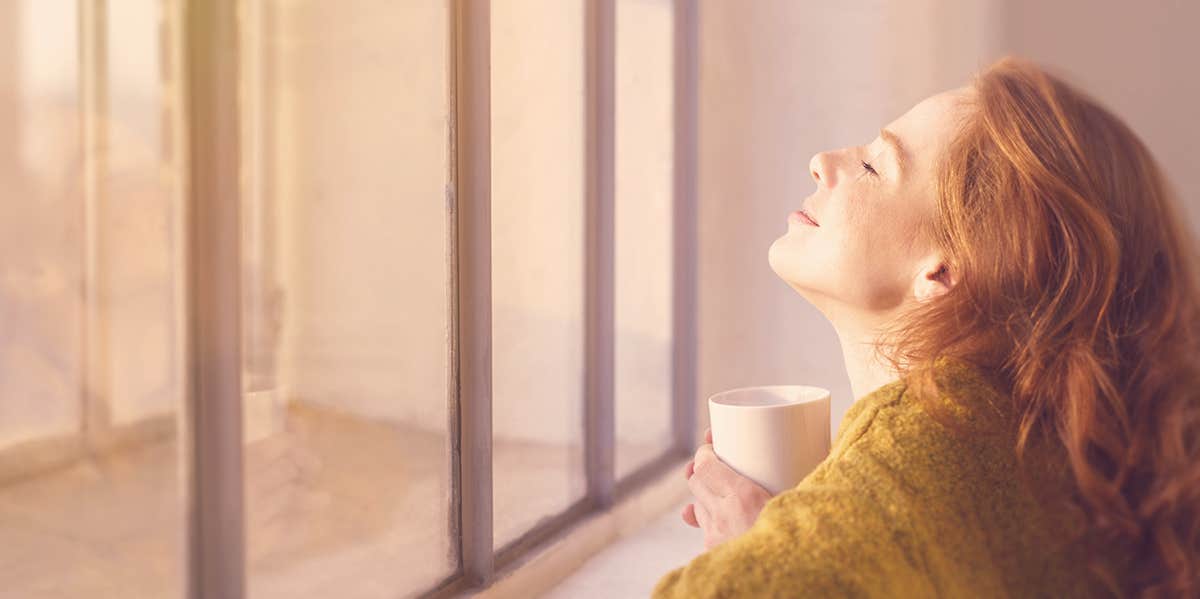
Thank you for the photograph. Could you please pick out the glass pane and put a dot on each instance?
(90, 384)
(346, 301)
(537, 261)
(644, 230)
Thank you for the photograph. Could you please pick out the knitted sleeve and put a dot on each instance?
(841, 532)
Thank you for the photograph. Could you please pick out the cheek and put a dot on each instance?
(860, 234)
(881, 230)
(874, 256)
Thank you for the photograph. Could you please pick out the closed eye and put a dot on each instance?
(869, 168)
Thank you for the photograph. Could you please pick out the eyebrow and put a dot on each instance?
(897, 147)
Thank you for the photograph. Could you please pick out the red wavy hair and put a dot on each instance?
(1076, 286)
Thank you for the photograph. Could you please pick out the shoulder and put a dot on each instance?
(922, 439)
(952, 397)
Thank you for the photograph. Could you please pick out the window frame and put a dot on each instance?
(208, 58)
(212, 427)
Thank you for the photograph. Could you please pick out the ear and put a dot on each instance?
(933, 279)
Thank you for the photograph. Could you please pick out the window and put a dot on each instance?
(644, 240)
(91, 385)
(346, 295)
(538, 187)
(364, 284)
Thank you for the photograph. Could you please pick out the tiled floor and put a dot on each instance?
(336, 506)
(630, 567)
(333, 505)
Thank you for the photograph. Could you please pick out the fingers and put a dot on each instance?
(704, 456)
(712, 478)
(704, 522)
(703, 518)
(700, 486)
(691, 466)
(689, 515)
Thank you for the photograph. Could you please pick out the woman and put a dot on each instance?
(1016, 298)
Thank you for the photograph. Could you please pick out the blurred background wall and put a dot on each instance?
(782, 80)
(55, 306)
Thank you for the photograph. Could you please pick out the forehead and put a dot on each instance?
(930, 125)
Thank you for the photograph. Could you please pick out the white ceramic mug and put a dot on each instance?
(774, 435)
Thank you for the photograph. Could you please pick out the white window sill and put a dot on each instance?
(632, 566)
(618, 553)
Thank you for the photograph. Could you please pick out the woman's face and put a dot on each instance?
(867, 251)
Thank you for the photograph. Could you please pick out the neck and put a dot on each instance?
(858, 335)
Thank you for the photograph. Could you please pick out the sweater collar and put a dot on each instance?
(965, 393)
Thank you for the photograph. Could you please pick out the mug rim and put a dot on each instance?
(716, 398)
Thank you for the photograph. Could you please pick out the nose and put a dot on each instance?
(820, 169)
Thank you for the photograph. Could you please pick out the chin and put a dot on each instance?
(784, 261)
(789, 267)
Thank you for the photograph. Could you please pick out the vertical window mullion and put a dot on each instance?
(93, 76)
(686, 226)
(215, 541)
(599, 295)
(471, 414)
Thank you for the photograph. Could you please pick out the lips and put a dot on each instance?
(804, 217)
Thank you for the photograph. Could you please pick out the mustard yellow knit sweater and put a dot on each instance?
(902, 507)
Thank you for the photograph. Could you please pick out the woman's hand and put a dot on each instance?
(727, 503)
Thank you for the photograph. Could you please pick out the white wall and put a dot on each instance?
(538, 169)
(1138, 59)
(644, 202)
(41, 310)
(356, 148)
(44, 238)
(135, 223)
